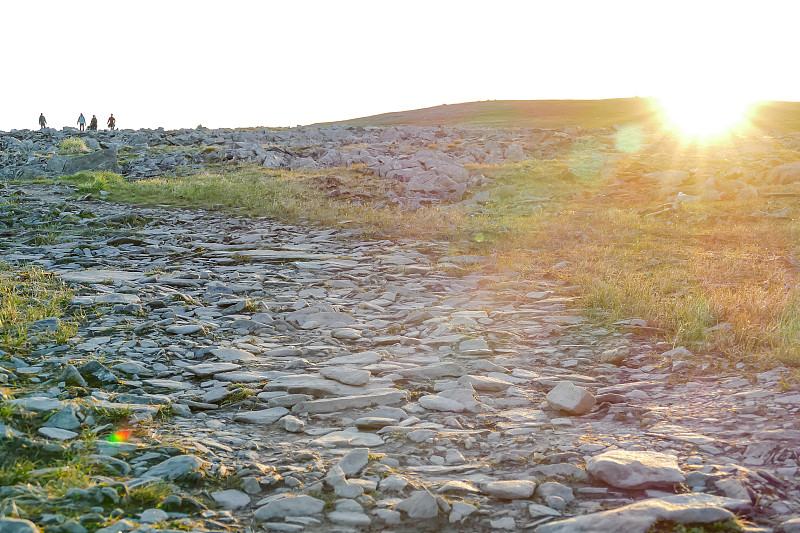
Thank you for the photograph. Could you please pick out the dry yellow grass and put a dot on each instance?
(720, 274)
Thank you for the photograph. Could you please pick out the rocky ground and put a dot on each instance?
(300, 379)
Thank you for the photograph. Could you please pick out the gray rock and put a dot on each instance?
(567, 397)
(552, 488)
(72, 377)
(57, 433)
(435, 402)
(635, 469)
(99, 160)
(789, 526)
(48, 325)
(434, 371)
(175, 467)
(36, 404)
(262, 417)
(483, 383)
(292, 424)
(348, 376)
(65, 418)
(421, 504)
(291, 506)
(333, 405)
(97, 375)
(354, 461)
(153, 516)
(510, 490)
(231, 498)
(640, 516)
(393, 483)
(460, 511)
(16, 525)
(232, 355)
(209, 369)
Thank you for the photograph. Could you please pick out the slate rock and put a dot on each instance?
(16, 525)
(175, 467)
(97, 375)
(354, 461)
(567, 397)
(153, 516)
(209, 369)
(421, 504)
(640, 516)
(98, 160)
(291, 506)
(262, 417)
(348, 376)
(36, 404)
(231, 498)
(635, 469)
(510, 490)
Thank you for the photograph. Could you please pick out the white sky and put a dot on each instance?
(237, 63)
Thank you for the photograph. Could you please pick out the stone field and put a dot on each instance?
(286, 378)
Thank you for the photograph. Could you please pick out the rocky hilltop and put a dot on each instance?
(427, 161)
(302, 379)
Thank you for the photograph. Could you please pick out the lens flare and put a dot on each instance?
(629, 139)
(120, 436)
(698, 115)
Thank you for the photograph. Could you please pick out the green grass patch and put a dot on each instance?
(27, 295)
(73, 146)
(89, 182)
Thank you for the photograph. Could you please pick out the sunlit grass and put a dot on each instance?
(28, 295)
(709, 274)
(73, 146)
(298, 197)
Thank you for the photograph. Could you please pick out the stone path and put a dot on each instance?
(350, 384)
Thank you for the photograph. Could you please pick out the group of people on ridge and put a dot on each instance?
(112, 122)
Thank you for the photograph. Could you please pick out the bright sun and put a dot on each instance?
(699, 115)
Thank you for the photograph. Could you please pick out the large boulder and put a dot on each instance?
(99, 160)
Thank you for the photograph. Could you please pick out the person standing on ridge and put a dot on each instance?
(111, 122)
(81, 122)
(42, 121)
(93, 123)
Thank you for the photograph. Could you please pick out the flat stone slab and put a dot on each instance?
(290, 506)
(318, 386)
(348, 437)
(640, 516)
(231, 498)
(101, 276)
(332, 405)
(518, 489)
(349, 376)
(37, 404)
(232, 355)
(357, 359)
(209, 369)
(262, 417)
(635, 469)
(175, 467)
(57, 433)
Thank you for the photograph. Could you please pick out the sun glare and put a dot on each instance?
(703, 115)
